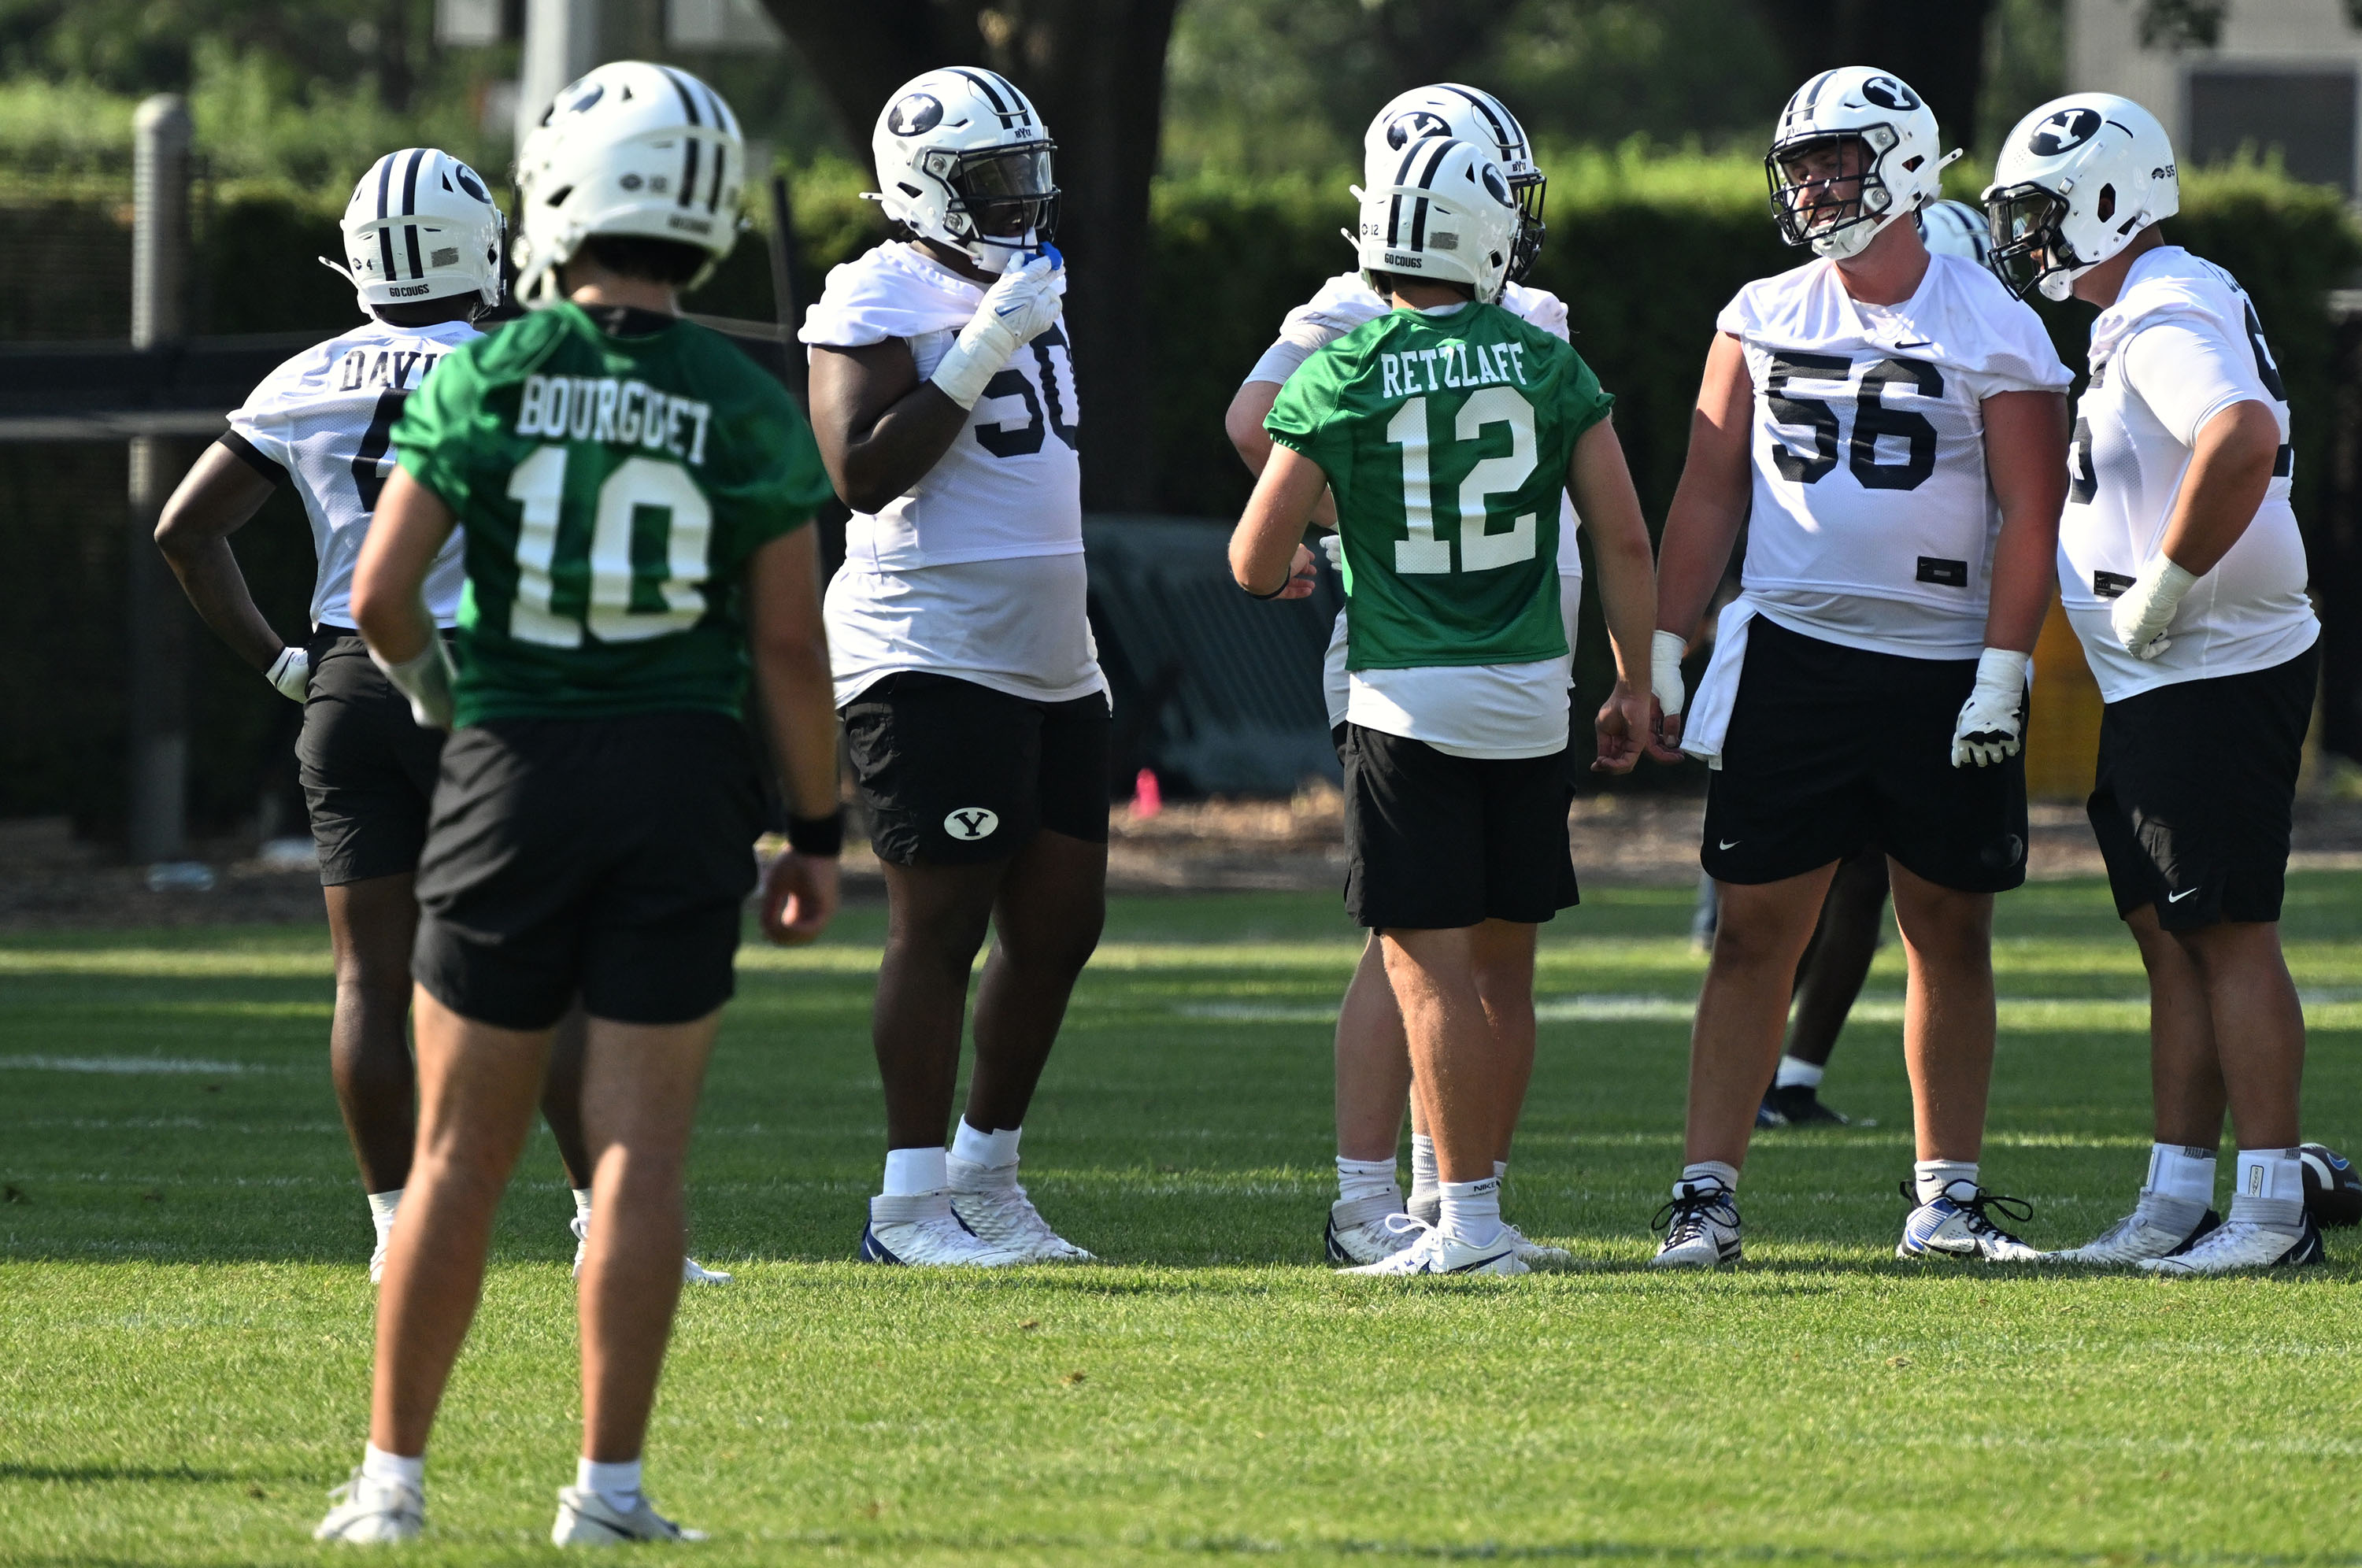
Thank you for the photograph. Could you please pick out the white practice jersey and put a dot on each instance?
(959, 576)
(1346, 302)
(325, 417)
(2182, 343)
(1873, 521)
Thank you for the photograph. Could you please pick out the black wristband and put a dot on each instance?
(823, 836)
(1275, 594)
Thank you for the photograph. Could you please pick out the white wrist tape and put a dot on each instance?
(1665, 649)
(2001, 673)
(966, 367)
(425, 678)
(290, 673)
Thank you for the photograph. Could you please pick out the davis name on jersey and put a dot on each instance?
(1010, 484)
(1346, 302)
(1868, 450)
(326, 418)
(2180, 344)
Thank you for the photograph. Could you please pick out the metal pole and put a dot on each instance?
(156, 621)
(561, 42)
(783, 289)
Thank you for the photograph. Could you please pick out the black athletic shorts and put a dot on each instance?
(1437, 842)
(368, 771)
(952, 773)
(607, 858)
(1831, 748)
(2195, 786)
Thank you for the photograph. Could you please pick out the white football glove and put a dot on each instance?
(2146, 608)
(1332, 547)
(1018, 308)
(290, 673)
(1993, 718)
(1665, 649)
(425, 678)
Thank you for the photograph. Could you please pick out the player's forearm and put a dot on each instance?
(1601, 486)
(390, 576)
(1700, 529)
(1263, 546)
(800, 711)
(2026, 463)
(2230, 472)
(2026, 563)
(209, 575)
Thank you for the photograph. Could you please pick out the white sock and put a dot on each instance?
(1357, 1180)
(991, 1149)
(1707, 1172)
(382, 1206)
(618, 1485)
(1472, 1211)
(2270, 1190)
(1795, 1070)
(1423, 1168)
(582, 1202)
(1932, 1178)
(915, 1173)
(379, 1465)
(1500, 1170)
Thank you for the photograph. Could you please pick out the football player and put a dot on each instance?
(633, 490)
(943, 392)
(1836, 961)
(1889, 425)
(1447, 429)
(2183, 573)
(422, 248)
(1373, 1057)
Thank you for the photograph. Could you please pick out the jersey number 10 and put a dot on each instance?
(646, 552)
(1423, 552)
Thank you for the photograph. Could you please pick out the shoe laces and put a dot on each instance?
(1690, 1209)
(1980, 1206)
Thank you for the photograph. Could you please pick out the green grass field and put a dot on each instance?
(185, 1319)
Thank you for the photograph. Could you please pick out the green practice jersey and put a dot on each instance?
(612, 489)
(1446, 440)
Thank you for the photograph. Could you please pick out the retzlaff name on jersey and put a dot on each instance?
(1868, 445)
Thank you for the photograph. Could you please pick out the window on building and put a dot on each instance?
(2306, 116)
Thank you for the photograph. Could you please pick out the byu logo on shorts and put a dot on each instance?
(972, 822)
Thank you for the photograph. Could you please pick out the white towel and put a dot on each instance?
(1709, 718)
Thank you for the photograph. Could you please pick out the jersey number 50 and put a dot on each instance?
(646, 552)
(1423, 552)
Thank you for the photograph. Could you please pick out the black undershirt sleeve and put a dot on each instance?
(247, 452)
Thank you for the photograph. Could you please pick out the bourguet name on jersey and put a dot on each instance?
(1453, 365)
(615, 412)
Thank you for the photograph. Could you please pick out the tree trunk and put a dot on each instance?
(1939, 50)
(1096, 69)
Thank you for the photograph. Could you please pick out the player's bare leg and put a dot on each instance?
(1373, 1063)
(2259, 1026)
(477, 1086)
(640, 1088)
(561, 1108)
(936, 918)
(1948, 1045)
(1458, 1059)
(1828, 981)
(1743, 1010)
(370, 925)
(1051, 907)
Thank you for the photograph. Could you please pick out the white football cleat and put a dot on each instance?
(2137, 1238)
(585, 1519)
(692, 1271)
(373, 1513)
(1367, 1229)
(1435, 1252)
(923, 1232)
(1963, 1227)
(1532, 1254)
(1701, 1226)
(989, 1202)
(2241, 1244)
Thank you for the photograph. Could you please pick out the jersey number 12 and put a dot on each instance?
(1423, 552)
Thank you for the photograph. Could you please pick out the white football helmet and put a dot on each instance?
(1854, 150)
(1468, 115)
(964, 160)
(1446, 214)
(1954, 228)
(2075, 179)
(421, 226)
(631, 148)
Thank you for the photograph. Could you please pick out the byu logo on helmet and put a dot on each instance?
(2067, 127)
(919, 112)
(1889, 93)
(971, 823)
(1404, 129)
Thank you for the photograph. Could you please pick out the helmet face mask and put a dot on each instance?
(1001, 196)
(2028, 247)
(1823, 185)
